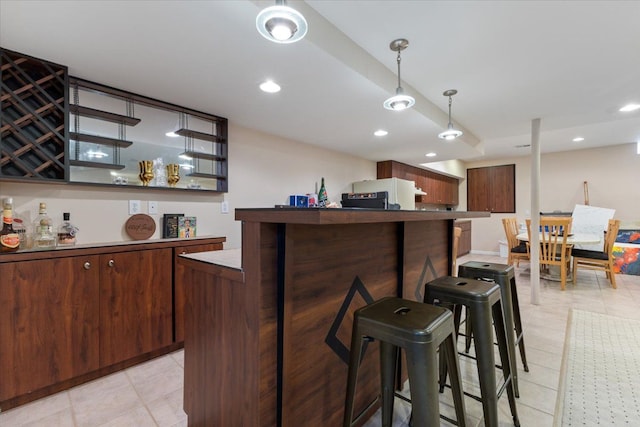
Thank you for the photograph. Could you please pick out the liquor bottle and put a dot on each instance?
(322, 195)
(67, 232)
(9, 239)
(43, 236)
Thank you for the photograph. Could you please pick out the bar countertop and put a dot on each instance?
(319, 216)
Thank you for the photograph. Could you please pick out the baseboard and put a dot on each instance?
(476, 252)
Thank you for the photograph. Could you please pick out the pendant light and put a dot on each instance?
(450, 133)
(281, 23)
(399, 101)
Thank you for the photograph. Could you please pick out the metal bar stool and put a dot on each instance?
(483, 303)
(504, 276)
(420, 329)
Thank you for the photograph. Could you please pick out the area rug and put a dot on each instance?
(600, 375)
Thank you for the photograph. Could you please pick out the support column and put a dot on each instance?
(534, 249)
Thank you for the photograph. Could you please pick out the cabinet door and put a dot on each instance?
(180, 281)
(478, 189)
(503, 189)
(48, 322)
(135, 303)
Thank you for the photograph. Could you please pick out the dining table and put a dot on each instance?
(572, 239)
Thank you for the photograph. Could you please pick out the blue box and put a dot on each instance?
(299, 201)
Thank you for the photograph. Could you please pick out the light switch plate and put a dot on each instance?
(153, 208)
(134, 207)
(224, 207)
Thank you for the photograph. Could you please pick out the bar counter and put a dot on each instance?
(266, 340)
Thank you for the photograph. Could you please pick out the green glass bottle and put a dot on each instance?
(322, 195)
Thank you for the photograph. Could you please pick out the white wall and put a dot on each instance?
(612, 174)
(263, 171)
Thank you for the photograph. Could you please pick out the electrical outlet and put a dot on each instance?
(134, 207)
(224, 207)
(153, 208)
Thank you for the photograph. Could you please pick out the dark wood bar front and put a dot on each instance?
(267, 341)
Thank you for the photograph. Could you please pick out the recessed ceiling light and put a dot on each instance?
(630, 107)
(381, 132)
(431, 154)
(270, 87)
(578, 139)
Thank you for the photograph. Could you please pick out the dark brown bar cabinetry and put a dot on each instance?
(71, 315)
(267, 344)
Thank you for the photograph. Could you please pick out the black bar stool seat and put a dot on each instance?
(482, 302)
(420, 329)
(503, 275)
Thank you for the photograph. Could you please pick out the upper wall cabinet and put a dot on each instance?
(121, 138)
(440, 189)
(492, 189)
(33, 118)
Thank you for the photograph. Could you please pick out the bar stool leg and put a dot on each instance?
(388, 363)
(507, 311)
(354, 361)
(423, 374)
(503, 348)
(518, 320)
(481, 318)
(448, 347)
(457, 313)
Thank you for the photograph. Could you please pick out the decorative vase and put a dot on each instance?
(173, 174)
(146, 171)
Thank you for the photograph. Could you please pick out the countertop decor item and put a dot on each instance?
(140, 226)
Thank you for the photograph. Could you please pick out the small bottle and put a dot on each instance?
(67, 232)
(322, 195)
(9, 239)
(43, 236)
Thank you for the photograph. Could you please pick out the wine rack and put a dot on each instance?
(33, 118)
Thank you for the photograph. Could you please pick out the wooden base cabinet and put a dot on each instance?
(180, 281)
(48, 322)
(69, 316)
(136, 314)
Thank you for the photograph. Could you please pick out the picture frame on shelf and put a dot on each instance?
(170, 225)
(187, 227)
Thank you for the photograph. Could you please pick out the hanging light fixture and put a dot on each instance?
(399, 101)
(281, 23)
(450, 133)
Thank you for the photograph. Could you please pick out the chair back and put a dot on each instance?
(511, 231)
(553, 239)
(612, 234)
(457, 232)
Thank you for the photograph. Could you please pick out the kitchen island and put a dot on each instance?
(268, 327)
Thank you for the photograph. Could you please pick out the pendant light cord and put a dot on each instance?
(398, 60)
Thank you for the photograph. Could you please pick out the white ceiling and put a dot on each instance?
(572, 64)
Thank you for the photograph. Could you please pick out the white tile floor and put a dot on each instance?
(150, 394)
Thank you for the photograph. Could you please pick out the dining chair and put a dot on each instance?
(554, 250)
(598, 260)
(517, 250)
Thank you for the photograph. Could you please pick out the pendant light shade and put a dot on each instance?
(281, 24)
(450, 133)
(399, 101)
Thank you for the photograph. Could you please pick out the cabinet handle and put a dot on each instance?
(87, 265)
(183, 253)
(111, 263)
